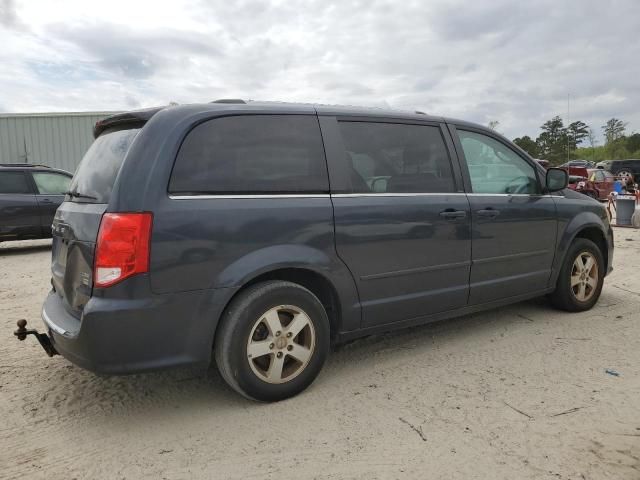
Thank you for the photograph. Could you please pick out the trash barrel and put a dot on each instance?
(635, 219)
(625, 206)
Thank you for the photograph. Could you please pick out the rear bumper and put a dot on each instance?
(120, 336)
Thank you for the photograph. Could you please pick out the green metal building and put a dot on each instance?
(55, 139)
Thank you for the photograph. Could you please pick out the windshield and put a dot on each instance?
(99, 167)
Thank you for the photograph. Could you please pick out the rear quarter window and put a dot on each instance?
(99, 167)
(14, 182)
(252, 154)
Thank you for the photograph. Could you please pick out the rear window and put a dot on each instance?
(252, 154)
(100, 165)
(14, 182)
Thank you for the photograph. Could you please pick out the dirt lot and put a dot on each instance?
(521, 392)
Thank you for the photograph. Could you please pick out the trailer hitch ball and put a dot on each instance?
(21, 332)
(42, 338)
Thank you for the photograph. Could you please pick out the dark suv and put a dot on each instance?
(259, 233)
(29, 197)
(629, 168)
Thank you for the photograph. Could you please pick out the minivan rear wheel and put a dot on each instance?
(581, 277)
(272, 341)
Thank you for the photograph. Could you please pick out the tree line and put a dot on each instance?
(558, 143)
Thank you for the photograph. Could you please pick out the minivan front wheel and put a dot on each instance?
(272, 341)
(581, 277)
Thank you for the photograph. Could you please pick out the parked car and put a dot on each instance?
(599, 184)
(577, 171)
(259, 233)
(604, 165)
(579, 163)
(625, 169)
(29, 197)
(577, 182)
(543, 163)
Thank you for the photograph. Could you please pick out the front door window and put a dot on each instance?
(495, 168)
(51, 183)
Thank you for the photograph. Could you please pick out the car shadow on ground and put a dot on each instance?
(23, 247)
(202, 390)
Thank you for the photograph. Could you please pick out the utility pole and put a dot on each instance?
(568, 133)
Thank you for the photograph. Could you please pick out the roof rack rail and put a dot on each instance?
(229, 100)
(23, 165)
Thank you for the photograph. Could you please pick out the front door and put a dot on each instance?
(50, 188)
(513, 223)
(402, 220)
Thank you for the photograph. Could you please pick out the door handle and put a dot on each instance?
(453, 214)
(45, 201)
(488, 212)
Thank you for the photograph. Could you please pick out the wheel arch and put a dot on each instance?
(590, 228)
(326, 277)
(313, 281)
(597, 236)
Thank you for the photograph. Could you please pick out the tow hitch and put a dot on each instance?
(44, 340)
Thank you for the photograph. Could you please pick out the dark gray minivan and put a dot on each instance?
(260, 233)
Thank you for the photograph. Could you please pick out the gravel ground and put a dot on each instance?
(516, 393)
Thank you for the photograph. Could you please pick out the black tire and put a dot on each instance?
(626, 172)
(564, 297)
(238, 323)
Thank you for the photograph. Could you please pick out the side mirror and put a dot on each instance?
(557, 179)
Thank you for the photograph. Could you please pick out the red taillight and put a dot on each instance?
(122, 248)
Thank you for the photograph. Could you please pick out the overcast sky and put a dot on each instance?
(505, 60)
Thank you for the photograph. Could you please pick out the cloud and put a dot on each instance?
(8, 15)
(495, 22)
(131, 101)
(515, 62)
(134, 53)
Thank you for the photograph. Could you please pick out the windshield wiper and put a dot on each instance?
(79, 195)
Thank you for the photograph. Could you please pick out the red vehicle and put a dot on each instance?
(578, 176)
(577, 171)
(597, 184)
(577, 183)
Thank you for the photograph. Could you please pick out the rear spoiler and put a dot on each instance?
(133, 119)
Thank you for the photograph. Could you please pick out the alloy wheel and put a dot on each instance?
(584, 276)
(625, 175)
(281, 344)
